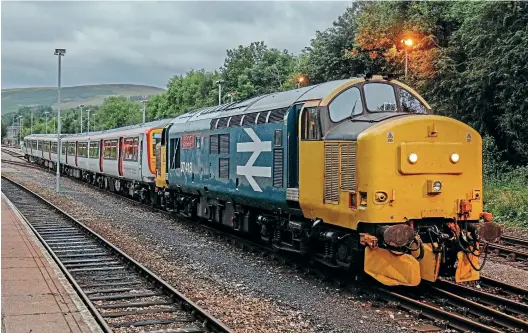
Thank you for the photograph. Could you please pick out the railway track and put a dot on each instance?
(12, 153)
(22, 164)
(123, 295)
(513, 248)
(498, 307)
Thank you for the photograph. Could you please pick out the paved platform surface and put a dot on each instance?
(36, 296)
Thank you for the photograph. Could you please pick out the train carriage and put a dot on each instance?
(122, 159)
(350, 172)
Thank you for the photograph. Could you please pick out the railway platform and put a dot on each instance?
(36, 296)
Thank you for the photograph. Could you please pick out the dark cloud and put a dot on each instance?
(145, 42)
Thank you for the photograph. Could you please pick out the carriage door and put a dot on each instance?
(121, 148)
(76, 153)
(101, 154)
(311, 153)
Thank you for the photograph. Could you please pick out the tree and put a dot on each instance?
(256, 69)
(194, 90)
(117, 112)
(483, 80)
(333, 54)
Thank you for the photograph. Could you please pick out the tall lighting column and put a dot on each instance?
(59, 53)
(82, 106)
(46, 113)
(144, 109)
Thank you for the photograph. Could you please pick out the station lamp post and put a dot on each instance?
(300, 81)
(88, 110)
(46, 113)
(81, 106)
(144, 108)
(59, 53)
(20, 122)
(219, 82)
(407, 43)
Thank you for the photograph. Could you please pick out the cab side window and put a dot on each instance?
(311, 124)
(410, 103)
(174, 146)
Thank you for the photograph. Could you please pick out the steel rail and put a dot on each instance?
(503, 303)
(510, 251)
(514, 240)
(22, 164)
(208, 321)
(480, 311)
(434, 313)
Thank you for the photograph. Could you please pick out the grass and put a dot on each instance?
(506, 196)
(13, 99)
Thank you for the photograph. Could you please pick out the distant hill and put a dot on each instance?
(12, 99)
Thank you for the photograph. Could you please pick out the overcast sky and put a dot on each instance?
(145, 42)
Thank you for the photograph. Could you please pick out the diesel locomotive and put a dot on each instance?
(355, 174)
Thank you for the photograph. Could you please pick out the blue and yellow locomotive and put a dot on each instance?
(351, 172)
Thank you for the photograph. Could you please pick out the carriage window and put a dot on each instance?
(94, 150)
(46, 146)
(82, 149)
(311, 128)
(198, 142)
(156, 138)
(63, 148)
(110, 149)
(410, 103)
(346, 104)
(71, 148)
(54, 147)
(380, 97)
(131, 149)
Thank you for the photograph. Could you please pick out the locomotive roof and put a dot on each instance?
(200, 119)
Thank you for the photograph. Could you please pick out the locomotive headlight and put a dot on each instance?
(413, 158)
(454, 157)
(437, 186)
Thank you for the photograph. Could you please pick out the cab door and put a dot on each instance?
(311, 158)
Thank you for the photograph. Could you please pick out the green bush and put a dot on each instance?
(505, 187)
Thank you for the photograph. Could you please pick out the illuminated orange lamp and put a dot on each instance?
(407, 42)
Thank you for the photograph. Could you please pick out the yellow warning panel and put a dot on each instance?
(464, 271)
(391, 269)
(430, 263)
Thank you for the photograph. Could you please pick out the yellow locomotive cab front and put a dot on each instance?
(408, 183)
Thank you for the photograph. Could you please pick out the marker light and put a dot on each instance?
(413, 158)
(454, 157)
(437, 186)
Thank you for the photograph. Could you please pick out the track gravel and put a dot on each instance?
(247, 292)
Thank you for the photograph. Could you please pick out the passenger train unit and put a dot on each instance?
(352, 173)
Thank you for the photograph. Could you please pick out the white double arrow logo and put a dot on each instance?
(256, 147)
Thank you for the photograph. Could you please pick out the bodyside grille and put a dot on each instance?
(223, 170)
(331, 189)
(348, 167)
(224, 143)
(278, 162)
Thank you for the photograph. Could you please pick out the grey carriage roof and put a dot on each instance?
(155, 123)
(200, 119)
